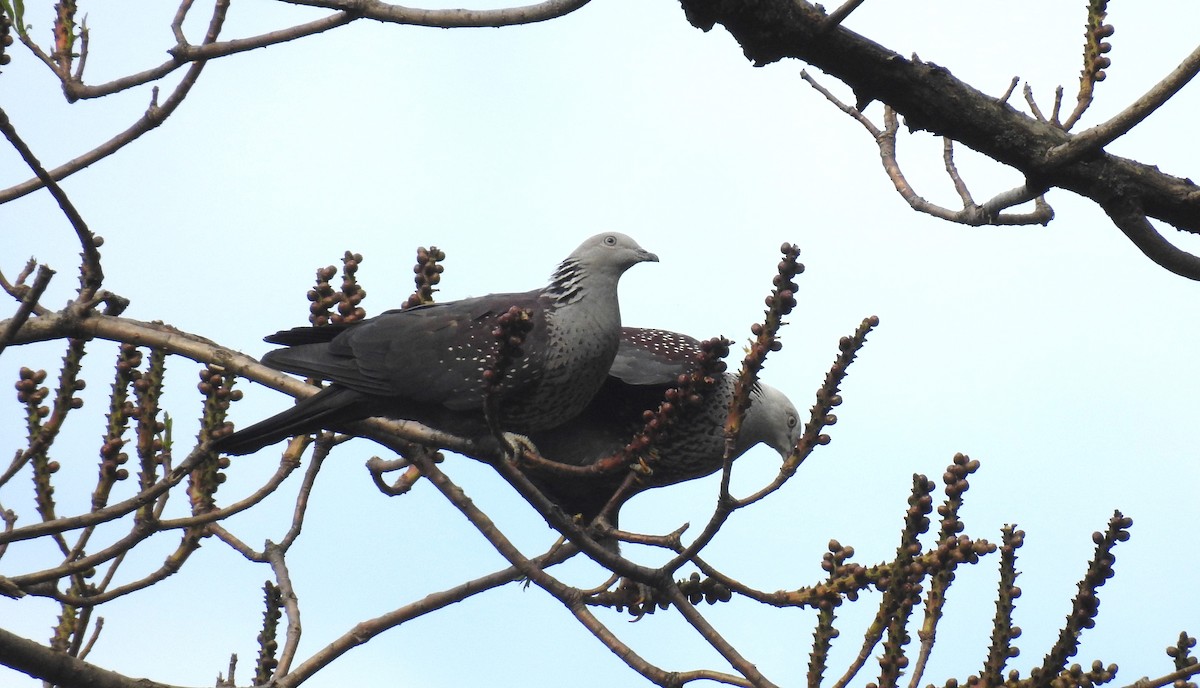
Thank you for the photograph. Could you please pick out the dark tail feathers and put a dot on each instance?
(327, 409)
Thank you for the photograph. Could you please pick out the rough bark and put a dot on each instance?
(931, 98)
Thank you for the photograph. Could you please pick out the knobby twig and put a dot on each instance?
(29, 303)
(154, 116)
(971, 213)
(1092, 140)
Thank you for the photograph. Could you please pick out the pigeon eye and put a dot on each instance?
(610, 240)
(791, 422)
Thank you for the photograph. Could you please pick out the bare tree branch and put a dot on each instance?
(184, 53)
(92, 275)
(971, 213)
(451, 18)
(718, 642)
(930, 98)
(1130, 218)
(59, 668)
(153, 117)
(1099, 136)
(364, 631)
(29, 302)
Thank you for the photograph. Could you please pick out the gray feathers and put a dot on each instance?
(647, 363)
(426, 363)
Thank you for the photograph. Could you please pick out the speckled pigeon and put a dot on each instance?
(648, 362)
(425, 363)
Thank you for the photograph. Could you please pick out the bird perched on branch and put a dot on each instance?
(428, 363)
(647, 364)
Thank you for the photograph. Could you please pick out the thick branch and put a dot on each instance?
(59, 668)
(1131, 219)
(449, 18)
(931, 98)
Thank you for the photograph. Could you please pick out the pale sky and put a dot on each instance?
(1058, 356)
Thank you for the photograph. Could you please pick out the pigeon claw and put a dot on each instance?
(517, 445)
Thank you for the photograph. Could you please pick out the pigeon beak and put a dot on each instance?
(645, 256)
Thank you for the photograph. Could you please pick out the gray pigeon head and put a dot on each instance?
(609, 253)
(771, 419)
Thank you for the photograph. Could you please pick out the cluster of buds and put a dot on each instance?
(217, 388)
(31, 392)
(1181, 653)
(641, 600)
(324, 297)
(1075, 677)
(901, 583)
(1086, 604)
(112, 458)
(6, 39)
(916, 518)
(268, 645)
(150, 430)
(1004, 632)
(828, 396)
(709, 590)
(1095, 46)
(688, 392)
(845, 577)
(428, 273)
(64, 35)
(827, 598)
(955, 479)
(779, 303)
(510, 331)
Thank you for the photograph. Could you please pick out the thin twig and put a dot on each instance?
(971, 214)
(108, 513)
(306, 487)
(1101, 135)
(952, 170)
(177, 30)
(839, 15)
(218, 531)
(152, 118)
(1033, 107)
(1161, 681)
(276, 556)
(364, 631)
(185, 53)
(715, 639)
(29, 302)
(1012, 86)
(849, 110)
(92, 275)
(83, 653)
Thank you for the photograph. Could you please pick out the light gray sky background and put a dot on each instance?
(1059, 357)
